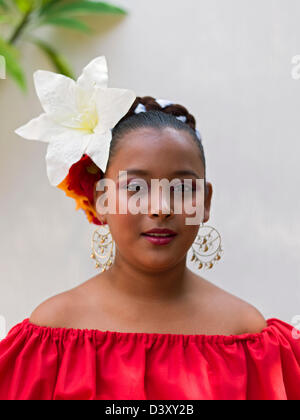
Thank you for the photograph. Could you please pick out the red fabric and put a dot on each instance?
(43, 363)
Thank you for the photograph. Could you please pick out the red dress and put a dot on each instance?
(44, 363)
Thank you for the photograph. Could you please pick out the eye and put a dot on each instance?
(134, 186)
(182, 187)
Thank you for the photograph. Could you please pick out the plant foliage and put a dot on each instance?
(21, 18)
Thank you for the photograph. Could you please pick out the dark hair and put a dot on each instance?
(156, 117)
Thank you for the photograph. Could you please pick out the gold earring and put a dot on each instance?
(103, 248)
(207, 248)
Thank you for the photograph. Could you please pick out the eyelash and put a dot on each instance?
(172, 188)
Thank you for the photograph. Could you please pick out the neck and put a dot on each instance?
(146, 285)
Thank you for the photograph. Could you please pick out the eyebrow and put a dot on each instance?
(143, 172)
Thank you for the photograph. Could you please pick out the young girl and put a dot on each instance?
(146, 327)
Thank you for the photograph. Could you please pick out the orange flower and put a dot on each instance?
(79, 184)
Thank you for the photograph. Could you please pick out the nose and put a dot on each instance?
(160, 207)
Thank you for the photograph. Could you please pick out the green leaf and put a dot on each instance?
(3, 5)
(24, 5)
(13, 66)
(84, 7)
(66, 22)
(47, 5)
(56, 58)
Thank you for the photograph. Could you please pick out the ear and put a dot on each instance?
(207, 203)
(97, 195)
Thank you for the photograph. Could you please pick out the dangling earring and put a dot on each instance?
(103, 248)
(207, 247)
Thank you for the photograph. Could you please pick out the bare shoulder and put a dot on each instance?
(68, 309)
(53, 311)
(249, 318)
(231, 312)
(79, 307)
(244, 316)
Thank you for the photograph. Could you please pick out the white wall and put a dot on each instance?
(229, 63)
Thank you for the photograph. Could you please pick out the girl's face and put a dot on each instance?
(146, 154)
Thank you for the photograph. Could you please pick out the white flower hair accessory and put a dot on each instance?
(78, 117)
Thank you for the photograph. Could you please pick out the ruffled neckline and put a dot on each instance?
(100, 335)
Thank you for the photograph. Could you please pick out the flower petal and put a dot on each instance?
(57, 94)
(63, 153)
(112, 105)
(95, 74)
(98, 149)
(41, 128)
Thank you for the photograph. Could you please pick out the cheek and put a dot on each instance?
(193, 232)
(188, 232)
(124, 227)
(194, 209)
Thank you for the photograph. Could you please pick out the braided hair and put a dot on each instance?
(145, 112)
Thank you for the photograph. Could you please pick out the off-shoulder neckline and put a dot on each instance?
(63, 332)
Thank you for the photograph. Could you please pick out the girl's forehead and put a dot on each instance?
(157, 134)
(157, 152)
(158, 143)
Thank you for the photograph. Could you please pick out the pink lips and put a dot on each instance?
(160, 240)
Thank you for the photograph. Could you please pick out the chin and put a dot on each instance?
(155, 264)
